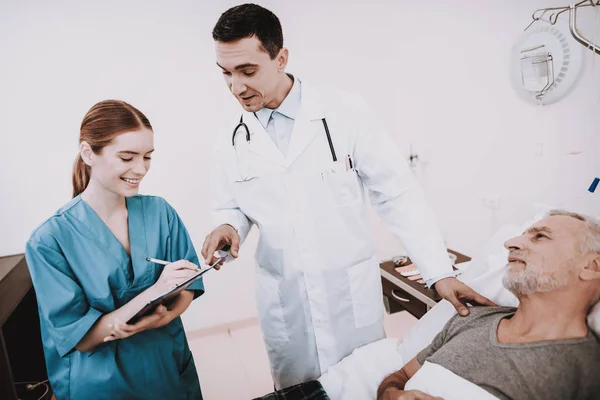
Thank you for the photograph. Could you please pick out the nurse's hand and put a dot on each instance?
(458, 294)
(122, 330)
(161, 317)
(173, 274)
(221, 236)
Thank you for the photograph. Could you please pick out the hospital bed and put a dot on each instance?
(359, 375)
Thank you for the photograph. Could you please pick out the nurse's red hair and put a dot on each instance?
(102, 123)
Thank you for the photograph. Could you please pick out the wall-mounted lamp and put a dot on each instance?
(545, 62)
(537, 70)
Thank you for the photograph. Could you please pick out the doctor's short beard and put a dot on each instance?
(531, 280)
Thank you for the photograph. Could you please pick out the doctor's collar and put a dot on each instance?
(289, 107)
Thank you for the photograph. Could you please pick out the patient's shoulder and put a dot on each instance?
(480, 315)
(481, 312)
(484, 311)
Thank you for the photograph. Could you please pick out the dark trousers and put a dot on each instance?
(311, 390)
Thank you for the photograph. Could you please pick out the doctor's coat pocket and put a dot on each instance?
(365, 288)
(343, 186)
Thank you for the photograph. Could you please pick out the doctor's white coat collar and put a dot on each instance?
(289, 107)
(306, 126)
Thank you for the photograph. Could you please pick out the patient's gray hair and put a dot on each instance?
(590, 240)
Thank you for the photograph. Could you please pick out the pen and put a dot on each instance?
(154, 260)
(162, 262)
(349, 164)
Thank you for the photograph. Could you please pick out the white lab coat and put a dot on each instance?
(318, 287)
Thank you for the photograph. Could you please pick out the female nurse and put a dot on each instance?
(89, 270)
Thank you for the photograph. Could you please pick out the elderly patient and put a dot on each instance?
(541, 350)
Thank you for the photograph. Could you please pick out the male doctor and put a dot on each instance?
(296, 166)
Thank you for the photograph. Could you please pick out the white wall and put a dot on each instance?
(436, 73)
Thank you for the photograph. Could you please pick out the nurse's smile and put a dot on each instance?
(132, 182)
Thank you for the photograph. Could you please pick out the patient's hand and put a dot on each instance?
(411, 395)
(458, 293)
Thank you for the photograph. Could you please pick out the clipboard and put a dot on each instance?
(171, 294)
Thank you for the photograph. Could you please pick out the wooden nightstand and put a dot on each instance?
(402, 294)
(21, 350)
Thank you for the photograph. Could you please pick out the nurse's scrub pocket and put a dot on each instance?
(342, 184)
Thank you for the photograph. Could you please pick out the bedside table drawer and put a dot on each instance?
(398, 296)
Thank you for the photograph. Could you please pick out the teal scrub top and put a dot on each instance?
(80, 271)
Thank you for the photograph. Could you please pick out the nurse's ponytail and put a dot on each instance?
(81, 176)
(102, 123)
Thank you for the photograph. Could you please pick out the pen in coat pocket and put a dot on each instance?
(349, 164)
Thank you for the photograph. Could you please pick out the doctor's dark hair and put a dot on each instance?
(248, 20)
(102, 123)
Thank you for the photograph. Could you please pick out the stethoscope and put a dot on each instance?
(242, 124)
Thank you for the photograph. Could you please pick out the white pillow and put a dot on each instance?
(436, 380)
(593, 319)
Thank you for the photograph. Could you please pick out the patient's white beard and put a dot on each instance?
(530, 280)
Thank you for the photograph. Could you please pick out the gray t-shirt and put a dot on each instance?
(553, 369)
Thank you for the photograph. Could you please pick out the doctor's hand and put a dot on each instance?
(222, 236)
(458, 294)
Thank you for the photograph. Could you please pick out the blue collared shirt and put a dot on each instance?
(279, 123)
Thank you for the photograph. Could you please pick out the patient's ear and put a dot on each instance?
(592, 270)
